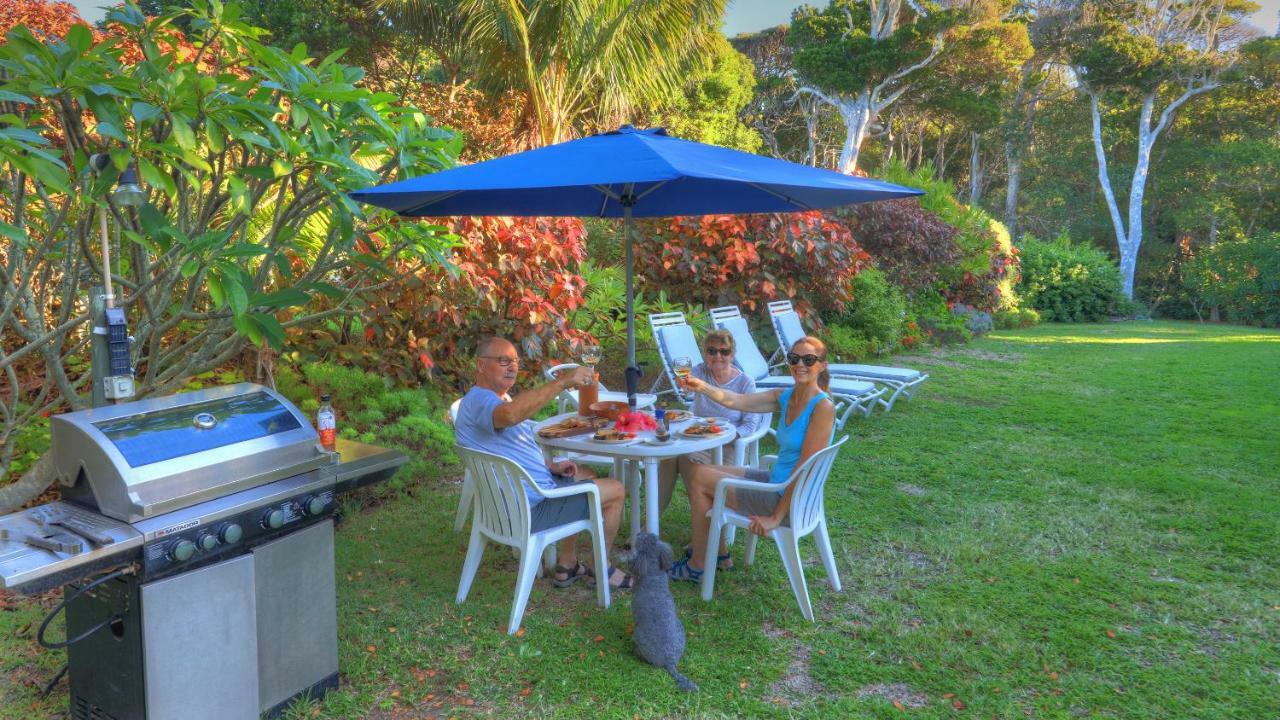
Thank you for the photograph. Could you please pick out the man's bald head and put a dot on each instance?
(493, 345)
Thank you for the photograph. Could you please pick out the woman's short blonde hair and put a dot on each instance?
(720, 336)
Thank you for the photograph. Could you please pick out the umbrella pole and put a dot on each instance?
(633, 371)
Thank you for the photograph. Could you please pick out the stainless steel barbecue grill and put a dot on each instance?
(210, 512)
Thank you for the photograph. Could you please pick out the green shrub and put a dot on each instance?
(1016, 318)
(411, 420)
(1067, 282)
(1241, 278)
(845, 344)
(875, 312)
(941, 326)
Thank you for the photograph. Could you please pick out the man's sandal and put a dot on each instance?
(571, 575)
(681, 571)
(723, 562)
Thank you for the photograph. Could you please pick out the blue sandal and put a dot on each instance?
(681, 571)
(723, 562)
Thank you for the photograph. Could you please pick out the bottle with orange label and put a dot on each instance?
(326, 423)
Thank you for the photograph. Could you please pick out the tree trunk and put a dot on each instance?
(857, 116)
(975, 170)
(36, 480)
(1014, 161)
(1215, 315)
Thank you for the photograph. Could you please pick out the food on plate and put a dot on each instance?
(612, 435)
(704, 429)
(571, 425)
(675, 416)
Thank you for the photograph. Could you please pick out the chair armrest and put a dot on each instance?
(722, 487)
(767, 461)
(586, 487)
(756, 435)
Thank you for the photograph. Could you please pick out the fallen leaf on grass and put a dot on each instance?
(520, 632)
(948, 696)
(742, 684)
(525, 692)
(371, 648)
(898, 704)
(1110, 634)
(598, 638)
(957, 704)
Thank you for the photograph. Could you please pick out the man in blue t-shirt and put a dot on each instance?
(492, 421)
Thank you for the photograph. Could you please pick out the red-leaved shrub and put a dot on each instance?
(750, 260)
(513, 277)
(910, 244)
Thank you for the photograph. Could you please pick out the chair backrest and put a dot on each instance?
(786, 325)
(453, 411)
(810, 479)
(747, 355)
(674, 338)
(501, 506)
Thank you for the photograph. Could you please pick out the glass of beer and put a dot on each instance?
(681, 367)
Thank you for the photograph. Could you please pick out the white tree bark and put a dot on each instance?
(1129, 238)
(975, 169)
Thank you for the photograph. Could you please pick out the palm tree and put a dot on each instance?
(579, 64)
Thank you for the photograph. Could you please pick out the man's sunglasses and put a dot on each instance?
(721, 351)
(503, 361)
(809, 360)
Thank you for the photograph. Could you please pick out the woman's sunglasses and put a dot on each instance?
(721, 351)
(809, 360)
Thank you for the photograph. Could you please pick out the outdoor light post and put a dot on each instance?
(111, 373)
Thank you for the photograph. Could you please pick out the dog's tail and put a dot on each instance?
(685, 683)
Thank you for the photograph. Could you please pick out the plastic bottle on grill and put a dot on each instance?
(326, 423)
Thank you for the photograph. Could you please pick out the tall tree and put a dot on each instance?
(710, 106)
(581, 64)
(1150, 53)
(861, 56)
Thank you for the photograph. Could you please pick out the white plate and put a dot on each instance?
(613, 442)
(684, 434)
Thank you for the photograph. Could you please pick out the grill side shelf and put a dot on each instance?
(361, 465)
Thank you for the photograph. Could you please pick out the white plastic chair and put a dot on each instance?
(502, 515)
(468, 487)
(807, 516)
(849, 395)
(904, 382)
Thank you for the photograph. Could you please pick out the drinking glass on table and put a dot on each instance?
(681, 367)
(589, 354)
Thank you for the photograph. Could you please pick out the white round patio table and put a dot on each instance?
(629, 456)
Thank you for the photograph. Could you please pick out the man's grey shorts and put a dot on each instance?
(553, 512)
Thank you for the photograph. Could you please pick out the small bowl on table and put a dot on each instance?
(609, 409)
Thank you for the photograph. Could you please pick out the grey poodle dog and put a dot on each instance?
(659, 634)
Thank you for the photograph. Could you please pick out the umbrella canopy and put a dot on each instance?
(627, 173)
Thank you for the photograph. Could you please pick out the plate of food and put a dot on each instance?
(706, 429)
(570, 426)
(611, 437)
(675, 416)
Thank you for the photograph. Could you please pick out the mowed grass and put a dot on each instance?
(1068, 521)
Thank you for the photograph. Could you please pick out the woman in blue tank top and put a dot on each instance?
(806, 421)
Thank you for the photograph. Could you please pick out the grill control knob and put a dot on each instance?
(207, 541)
(182, 550)
(273, 519)
(313, 505)
(230, 533)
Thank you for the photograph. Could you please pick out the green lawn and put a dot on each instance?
(1068, 521)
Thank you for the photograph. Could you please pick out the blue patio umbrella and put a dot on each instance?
(627, 173)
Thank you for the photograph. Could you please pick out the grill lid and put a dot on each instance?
(144, 458)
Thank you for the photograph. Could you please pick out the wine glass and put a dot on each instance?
(589, 353)
(681, 367)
